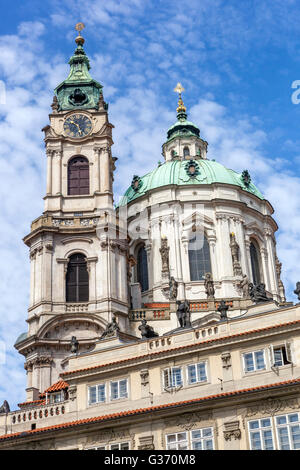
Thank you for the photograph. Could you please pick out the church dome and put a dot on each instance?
(188, 172)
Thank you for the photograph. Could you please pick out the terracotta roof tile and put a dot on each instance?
(60, 385)
(30, 403)
(140, 411)
(156, 353)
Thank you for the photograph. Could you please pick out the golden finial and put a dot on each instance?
(179, 89)
(79, 27)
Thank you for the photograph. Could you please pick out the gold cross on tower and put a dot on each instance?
(179, 89)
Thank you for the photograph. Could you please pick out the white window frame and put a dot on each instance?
(260, 429)
(119, 445)
(118, 382)
(254, 362)
(189, 440)
(288, 353)
(89, 394)
(169, 372)
(288, 426)
(195, 364)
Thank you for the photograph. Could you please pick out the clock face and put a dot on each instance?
(77, 125)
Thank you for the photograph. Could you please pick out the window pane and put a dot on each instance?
(196, 434)
(202, 372)
(260, 361)
(249, 364)
(254, 424)
(206, 432)
(265, 422)
(255, 441)
(293, 418)
(123, 388)
(278, 359)
(199, 257)
(192, 374)
(176, 377)
(101, 393)
(283, 438)
(281, 419)
(268, 440)
(197, 445)
(93, 394)
(114, 390)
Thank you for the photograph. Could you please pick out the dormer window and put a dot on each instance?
(186, 152)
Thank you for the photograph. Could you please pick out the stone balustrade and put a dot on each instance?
(149, 314)
(42, 412)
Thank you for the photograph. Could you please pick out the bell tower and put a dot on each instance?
(78, 251)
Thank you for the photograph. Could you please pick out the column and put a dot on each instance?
(105, 170)
(91, 266)
(49, 172)
(56, 173)
(271, 266)
(264, 259)
(32, 276)
(47, 271)
(96, 177)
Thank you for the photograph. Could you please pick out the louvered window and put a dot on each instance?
(77, 279)
(78, 176)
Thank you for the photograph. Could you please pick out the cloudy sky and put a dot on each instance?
(237, 62)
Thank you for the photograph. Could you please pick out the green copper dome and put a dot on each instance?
(187, 172)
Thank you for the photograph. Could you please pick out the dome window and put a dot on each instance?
(186, 152)
(255, 263)
(142, 268)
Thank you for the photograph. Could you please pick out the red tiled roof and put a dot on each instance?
(30, 403)
(148, 410)
(156, 353)
(60, 385)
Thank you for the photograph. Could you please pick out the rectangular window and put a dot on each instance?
(261, 434)
(97, 394)
(288, 431)
(120, 446)
(197, 373)
(280, 356)
(202, 439)
(118, 389)
(198, 439)
(173, 377)
(254, 361)
(177, 441)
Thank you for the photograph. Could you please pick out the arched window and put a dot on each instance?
(78, 176)
(142, 269)
(255, 263)
(77, 279)
(199, 257)
(186, 152)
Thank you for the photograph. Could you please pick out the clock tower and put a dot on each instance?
(78, 250)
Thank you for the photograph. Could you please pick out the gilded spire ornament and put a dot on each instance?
(179, 89)
(79, 27)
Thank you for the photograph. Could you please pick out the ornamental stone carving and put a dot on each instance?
(244, 284)
(232, 430)
(188, 421)
(226, 360)
(270, 406)
(235, 253)
(209, 286)
(144, 374)
(164, 252)
(280, 283)
(146, 443)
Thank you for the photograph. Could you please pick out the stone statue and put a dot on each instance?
(244, 285)
(173, 288)
(164, 252)
(4, 409)
(183, 313)
(280, 283)
(223, 310)
(209, 286)
(297, 290)
(111, 330)
(258, 293)
(147, 330)
(235, 253)
(74, 345)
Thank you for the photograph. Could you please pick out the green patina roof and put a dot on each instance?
(182, 128)
(79, 90)
(175, 173)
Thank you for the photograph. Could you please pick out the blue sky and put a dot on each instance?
(236, 60)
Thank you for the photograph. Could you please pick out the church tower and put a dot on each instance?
(78, 254)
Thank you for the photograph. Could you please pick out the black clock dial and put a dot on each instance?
(77, 125)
